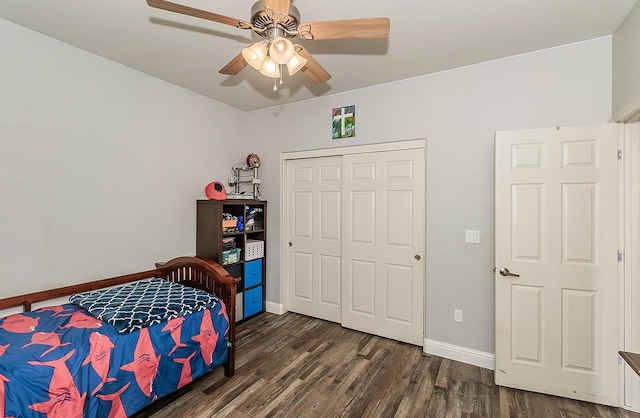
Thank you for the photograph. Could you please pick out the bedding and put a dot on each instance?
(63, 361)
(143, 303)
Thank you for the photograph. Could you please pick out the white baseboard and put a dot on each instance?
(461, 354)
(436, 348)
(276, 308)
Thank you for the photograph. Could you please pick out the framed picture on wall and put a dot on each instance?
(344, 122)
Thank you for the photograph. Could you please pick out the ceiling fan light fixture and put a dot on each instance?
(255, 55)
(281, 50)
(296, 63)
(270, 68)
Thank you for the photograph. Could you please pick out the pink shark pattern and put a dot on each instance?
(223, 312)
(100, 357)
(20, 324)
(64, 398)
(57, 310)
(46, 338)
(117, 409)
(3, 349)
(174, 328)
(2, 380)
(145, 363)
(82, 320)
(186, 376)
(208, 338)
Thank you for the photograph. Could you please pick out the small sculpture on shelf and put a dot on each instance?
(216, 190)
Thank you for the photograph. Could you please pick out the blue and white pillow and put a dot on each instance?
(144, 303)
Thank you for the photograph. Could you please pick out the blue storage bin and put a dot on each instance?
(252, 301)
(252, 273)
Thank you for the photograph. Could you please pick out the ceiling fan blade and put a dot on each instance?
(234, 66)
(313, 69)
(190, 11)
(365, 28)
(279, 5)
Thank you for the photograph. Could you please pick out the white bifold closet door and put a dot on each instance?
(356, 241)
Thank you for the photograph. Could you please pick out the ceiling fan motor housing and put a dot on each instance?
(263, 20)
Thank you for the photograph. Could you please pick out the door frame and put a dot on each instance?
(628, 114)
(629, 383)
(332, 152)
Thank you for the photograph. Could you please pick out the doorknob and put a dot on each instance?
(505, 272)
(290, 244)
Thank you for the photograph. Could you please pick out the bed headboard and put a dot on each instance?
(192, 271)
(200, 273)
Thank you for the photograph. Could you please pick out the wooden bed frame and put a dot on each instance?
(191, 271)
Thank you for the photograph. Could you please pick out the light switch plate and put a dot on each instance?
(472, 236)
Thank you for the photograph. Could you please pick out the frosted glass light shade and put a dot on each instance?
(255, 55)
(270, 68)
(296, 63)
(281, 50)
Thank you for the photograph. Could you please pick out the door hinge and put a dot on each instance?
(619, 154)
(620, 253)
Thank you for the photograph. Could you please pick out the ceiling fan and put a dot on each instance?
(278, 21)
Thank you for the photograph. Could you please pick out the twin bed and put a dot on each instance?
(120, 343)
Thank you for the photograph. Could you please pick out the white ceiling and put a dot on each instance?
(426, 36)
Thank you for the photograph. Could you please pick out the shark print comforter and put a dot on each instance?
(60, 361)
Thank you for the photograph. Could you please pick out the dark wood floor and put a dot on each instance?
(295, 366)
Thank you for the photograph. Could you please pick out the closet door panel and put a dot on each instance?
(314, 199)
(383, 244)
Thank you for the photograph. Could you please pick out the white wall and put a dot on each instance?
(458, 112)
(100, 165)
(626, 61)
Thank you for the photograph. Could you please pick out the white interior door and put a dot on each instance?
(314, 189)
(557, 227)
(383, 244)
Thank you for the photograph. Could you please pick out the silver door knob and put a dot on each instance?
(505, 272)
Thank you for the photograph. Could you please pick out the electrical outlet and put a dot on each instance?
(457, 315)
